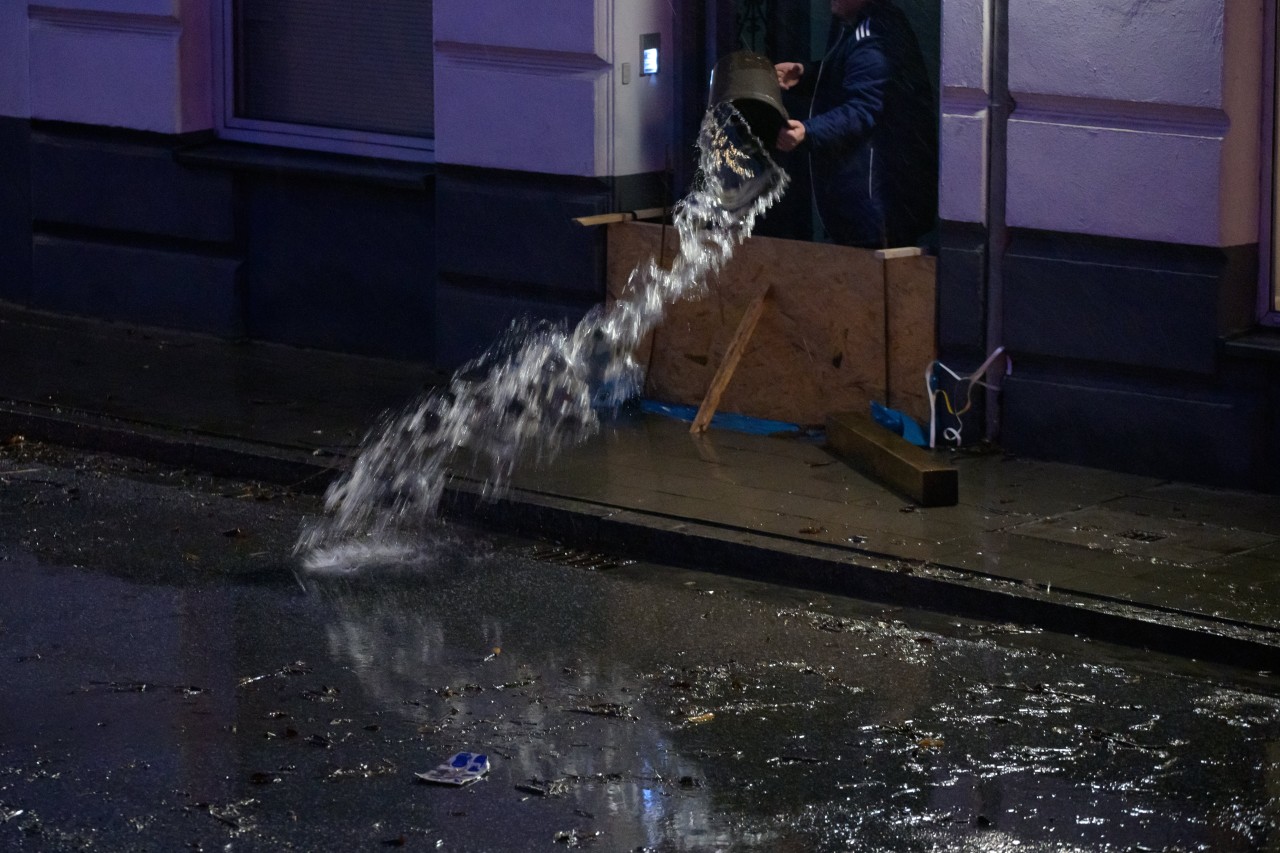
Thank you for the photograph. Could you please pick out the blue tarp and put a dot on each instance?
(729, 421)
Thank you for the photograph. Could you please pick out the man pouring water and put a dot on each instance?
(871, 130)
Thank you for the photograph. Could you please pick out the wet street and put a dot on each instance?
(172, 679)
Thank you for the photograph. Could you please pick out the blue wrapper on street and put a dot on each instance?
(462, 769)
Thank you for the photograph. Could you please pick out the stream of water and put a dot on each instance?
(537, 390)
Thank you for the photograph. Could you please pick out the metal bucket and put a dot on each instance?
(749, 82)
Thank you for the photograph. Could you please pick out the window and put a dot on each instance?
(350, 76)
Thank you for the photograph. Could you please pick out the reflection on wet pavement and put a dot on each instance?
(660, 716)
(158, 702)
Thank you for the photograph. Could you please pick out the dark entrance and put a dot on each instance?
(797, 30)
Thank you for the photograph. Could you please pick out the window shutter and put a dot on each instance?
(361, 65)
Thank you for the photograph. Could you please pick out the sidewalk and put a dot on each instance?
(1126, 558)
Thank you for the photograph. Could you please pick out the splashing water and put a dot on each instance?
(536, 390)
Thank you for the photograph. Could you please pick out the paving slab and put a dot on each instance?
(1142, 560)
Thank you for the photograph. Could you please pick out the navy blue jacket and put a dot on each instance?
(872, 133)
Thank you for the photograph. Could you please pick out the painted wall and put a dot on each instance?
(1136, 119)
(643, 107)
(552, 87)
(963, 127)
(138, 64)
(15, 79)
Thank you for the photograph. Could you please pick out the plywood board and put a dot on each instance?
(911, 287)
(629, 245)
(819, 346)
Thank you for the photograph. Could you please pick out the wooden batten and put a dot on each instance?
(892, 460)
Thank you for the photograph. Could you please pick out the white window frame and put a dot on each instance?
(286, 135)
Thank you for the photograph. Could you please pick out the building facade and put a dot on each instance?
(400, 178)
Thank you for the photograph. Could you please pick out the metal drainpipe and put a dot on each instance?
(999, 106)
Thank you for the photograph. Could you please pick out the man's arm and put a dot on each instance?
(866, 77)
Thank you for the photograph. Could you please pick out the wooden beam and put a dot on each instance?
(732, 355)
(623, 216)
(903, 252)
(892, 460)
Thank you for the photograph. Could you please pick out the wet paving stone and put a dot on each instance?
(168, 687)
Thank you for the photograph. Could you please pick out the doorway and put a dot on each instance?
(800, 30)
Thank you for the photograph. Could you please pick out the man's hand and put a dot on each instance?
(791, 135)
(789, 73)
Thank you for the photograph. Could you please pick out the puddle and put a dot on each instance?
(620, 709)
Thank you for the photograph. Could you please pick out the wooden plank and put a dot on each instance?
(624, 216)
(910, 333)
(903, 252)
(892, 460)
(729, 363)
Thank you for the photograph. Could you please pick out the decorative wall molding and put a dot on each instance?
(962, 184)
(964, 100)
(1171, 51)
(605, 29)
(502, 118)
(139, 64)
(15, 61)
(160, 8)
(1115, 182)
(965, 108)
(963, 44)
(1136, 119)
(606, 85)
(520, 60)
(1121, 115)
(104, 21)
(562, 78)
(606, 124)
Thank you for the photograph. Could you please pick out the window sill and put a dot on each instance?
(1261, 344)
(248, 157)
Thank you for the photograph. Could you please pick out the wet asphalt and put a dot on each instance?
(172, 679)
